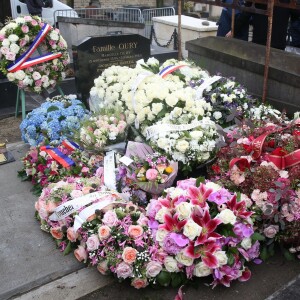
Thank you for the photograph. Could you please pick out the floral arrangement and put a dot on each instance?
(119, 242)
(41, 169)
(189, 145)
(262, 164)
(203, 230)
(56, 194)
(53, 121)
(16, 37)
(153, 173)
(101, 130)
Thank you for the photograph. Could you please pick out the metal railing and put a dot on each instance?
(131, 15)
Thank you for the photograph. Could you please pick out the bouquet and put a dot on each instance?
(150, 171)
(54, 121)
(41, 168)
(203, 230)
(57, 194)
(262, 164)
(189, 142)
(101, 130)
(119, 242)
(16, 38)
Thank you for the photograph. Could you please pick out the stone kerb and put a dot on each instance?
(245, 61)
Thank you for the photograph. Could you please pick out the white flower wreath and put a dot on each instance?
(21, 65)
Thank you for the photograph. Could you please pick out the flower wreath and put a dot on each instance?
(19, 39)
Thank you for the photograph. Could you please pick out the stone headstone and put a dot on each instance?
(95, 54)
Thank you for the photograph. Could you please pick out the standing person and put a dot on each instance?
(294, 31)
(225, 23)
(35, 7)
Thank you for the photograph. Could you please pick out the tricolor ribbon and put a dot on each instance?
(169, 69)
(70, 145)
(24, 62)
(57, 155)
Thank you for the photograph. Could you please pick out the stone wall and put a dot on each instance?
(245, 61)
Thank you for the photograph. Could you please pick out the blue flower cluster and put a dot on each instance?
(53, 121)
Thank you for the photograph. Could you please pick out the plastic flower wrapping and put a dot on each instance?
(102, 130)
(149, 170)
(262, 163)
(54, 121)
(41, 169)
(16, 37)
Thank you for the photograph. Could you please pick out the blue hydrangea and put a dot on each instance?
(53, 121)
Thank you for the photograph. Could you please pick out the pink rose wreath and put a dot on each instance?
(33, 54)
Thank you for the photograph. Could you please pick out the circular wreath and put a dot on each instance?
(16, 37)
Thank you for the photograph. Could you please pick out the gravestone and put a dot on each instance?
(95, 54)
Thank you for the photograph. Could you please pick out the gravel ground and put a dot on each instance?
(9, 130)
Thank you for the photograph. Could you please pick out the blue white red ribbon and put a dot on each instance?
(57, 155)
(169, 69)
(24, 62)
(70, 145)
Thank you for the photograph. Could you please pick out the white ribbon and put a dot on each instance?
(109, 170)
(205, 85)
(69, 207)
(156, 129)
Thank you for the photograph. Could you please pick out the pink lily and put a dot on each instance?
(199, 195)
(238, 208)
(173, 224)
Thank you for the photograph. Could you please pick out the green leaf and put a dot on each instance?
(288, 255)
(68, 248)
(164, 278)
(264, 253)
(176, 280)
(52, 108)
(257, 237)
(200, 180)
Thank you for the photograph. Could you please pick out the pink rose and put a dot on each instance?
(2, 37)
(103, 232)
(151, 174)
(110, 218)
(25, 28)
(139, 283)
(80, 254)
(34, 23)
(153, 207)
(4, 50)
(92, 242)
(10, 56)
(129, 255)
(56, 233)
(38, 83)
(27, 18)
(135, 231)
(271, 231)
(50, 207)
(153, 269)
(102, 267)
(85, 170)
(124, 270)
(71, 234)
(76, 194)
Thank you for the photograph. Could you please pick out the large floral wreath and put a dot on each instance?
(31, 71)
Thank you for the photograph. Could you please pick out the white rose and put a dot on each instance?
(246, 243)
(196, 134)
(171, 264)
(20, 75)
(217, 115)
(227, 216)
(36, 75)
(211, 185)
(152, 61)
(221, 257)
(182, 146)
(171, 100)
(54, 36)
(13, 38)
(14, 48)
(5, 43)
(191, 229)
(10, 76)
(183, 259)
(160, 235)
(161, 214)
(156, 108)
(162, 143)
(177, 111)
(201, 270)
(184, 210)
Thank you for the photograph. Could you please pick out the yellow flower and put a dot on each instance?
(169, 169)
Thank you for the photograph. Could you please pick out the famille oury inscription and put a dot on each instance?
(95, 54)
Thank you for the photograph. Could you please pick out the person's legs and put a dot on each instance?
(224, 23)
